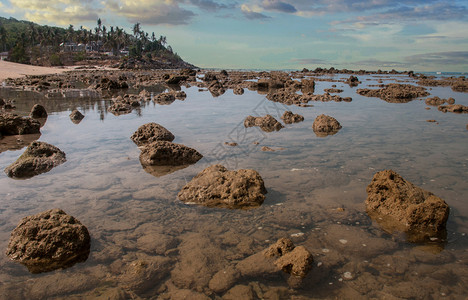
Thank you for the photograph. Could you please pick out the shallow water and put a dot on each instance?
(134, 216)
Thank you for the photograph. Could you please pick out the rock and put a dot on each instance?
(267, 149)
(151, 132)
(436, 101)
(38, 158)
(281, 247)
(76, 116)
(289, 118)
(111, 84)
(266, 123)
(325, 125)
(158, 171)
(164, 153)
(397, 204)
(123, 105)
(145, 273)
(210, 77)
(38, 112)
(11, 124)
(216, 186)
(176, 79)
(240, 291)
(454, 108)
(395, 93)
(298, 262)
(333, 90)
(169, 97)
(238, 90)
(224, 280)
(216, 88)
(188, 72)
(352, 81)
(48, 241)
(461, 85)
(257, 266)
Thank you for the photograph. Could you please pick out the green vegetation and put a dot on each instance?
(30, 43)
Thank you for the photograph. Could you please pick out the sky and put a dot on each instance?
(419, 35)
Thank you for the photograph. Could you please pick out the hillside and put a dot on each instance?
(30, 43)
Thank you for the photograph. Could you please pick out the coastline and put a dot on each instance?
(15, 70)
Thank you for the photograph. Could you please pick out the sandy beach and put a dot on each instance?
(14, 70)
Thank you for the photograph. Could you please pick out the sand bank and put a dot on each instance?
(14, 70)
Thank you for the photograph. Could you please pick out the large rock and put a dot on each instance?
(151, 132)
(396, 93)
(325, 125)
(216, 186)
(48, 241)
(454, 108)
(38, 112)
(397, 204)
(11, 124)
(38, 158)
(266, 123)
(164, 153)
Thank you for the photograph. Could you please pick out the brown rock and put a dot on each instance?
(216, 186)
(38, 158)
(238, 90)
(11, 124)
(224, 280)
(298, 262)
(397, 204)
(325, 125)
(240, 292)
(49, 240)
(352, 81)
(38, 112)
(455, 108)
(333, 91)
(395, 93)
(76, 116)
(289, 118)
(266, 123)
(278, 249)
(176, 79)
(164, 153)
(151, 132)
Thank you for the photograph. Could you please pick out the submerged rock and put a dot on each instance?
(164, 153)
(151, 132)
(76, 116)
(289, 118)
(325, 125)
(11, 124)
(216, 186)
(266, 123)
(38, 158)
(48, 241)
(38, 112)
(435, 101)
(397, 204)
(293, 260)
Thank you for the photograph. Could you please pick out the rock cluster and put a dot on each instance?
(112, 84)
(123, 105)
(289, 98)
(289, 117)
(325, 125)
(49, 240)
(397, 204)
(38, 158)
(454, 108)
(395, 93)
(266, 123)
(352, 81)
(169, 97)
(216, 186)
(436, 101)
(11, 124)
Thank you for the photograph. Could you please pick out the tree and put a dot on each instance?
(3, 37)
(136, 30)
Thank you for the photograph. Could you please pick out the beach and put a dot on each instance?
(14, 70)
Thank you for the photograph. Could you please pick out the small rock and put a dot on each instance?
(325, 125)
(151, 132)
(266, 123)
(164, 153)
(38, 112)
(289, 118)
(76, 116)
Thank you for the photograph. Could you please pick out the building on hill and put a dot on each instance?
(3, 55)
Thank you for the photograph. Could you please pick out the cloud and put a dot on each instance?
(279, 6)
(61, 12)
(209, 5)
(439, 58)
(252, 13)
(151, 12)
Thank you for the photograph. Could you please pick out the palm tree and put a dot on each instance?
(136, 30)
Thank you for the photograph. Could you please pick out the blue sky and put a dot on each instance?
(421, 35)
